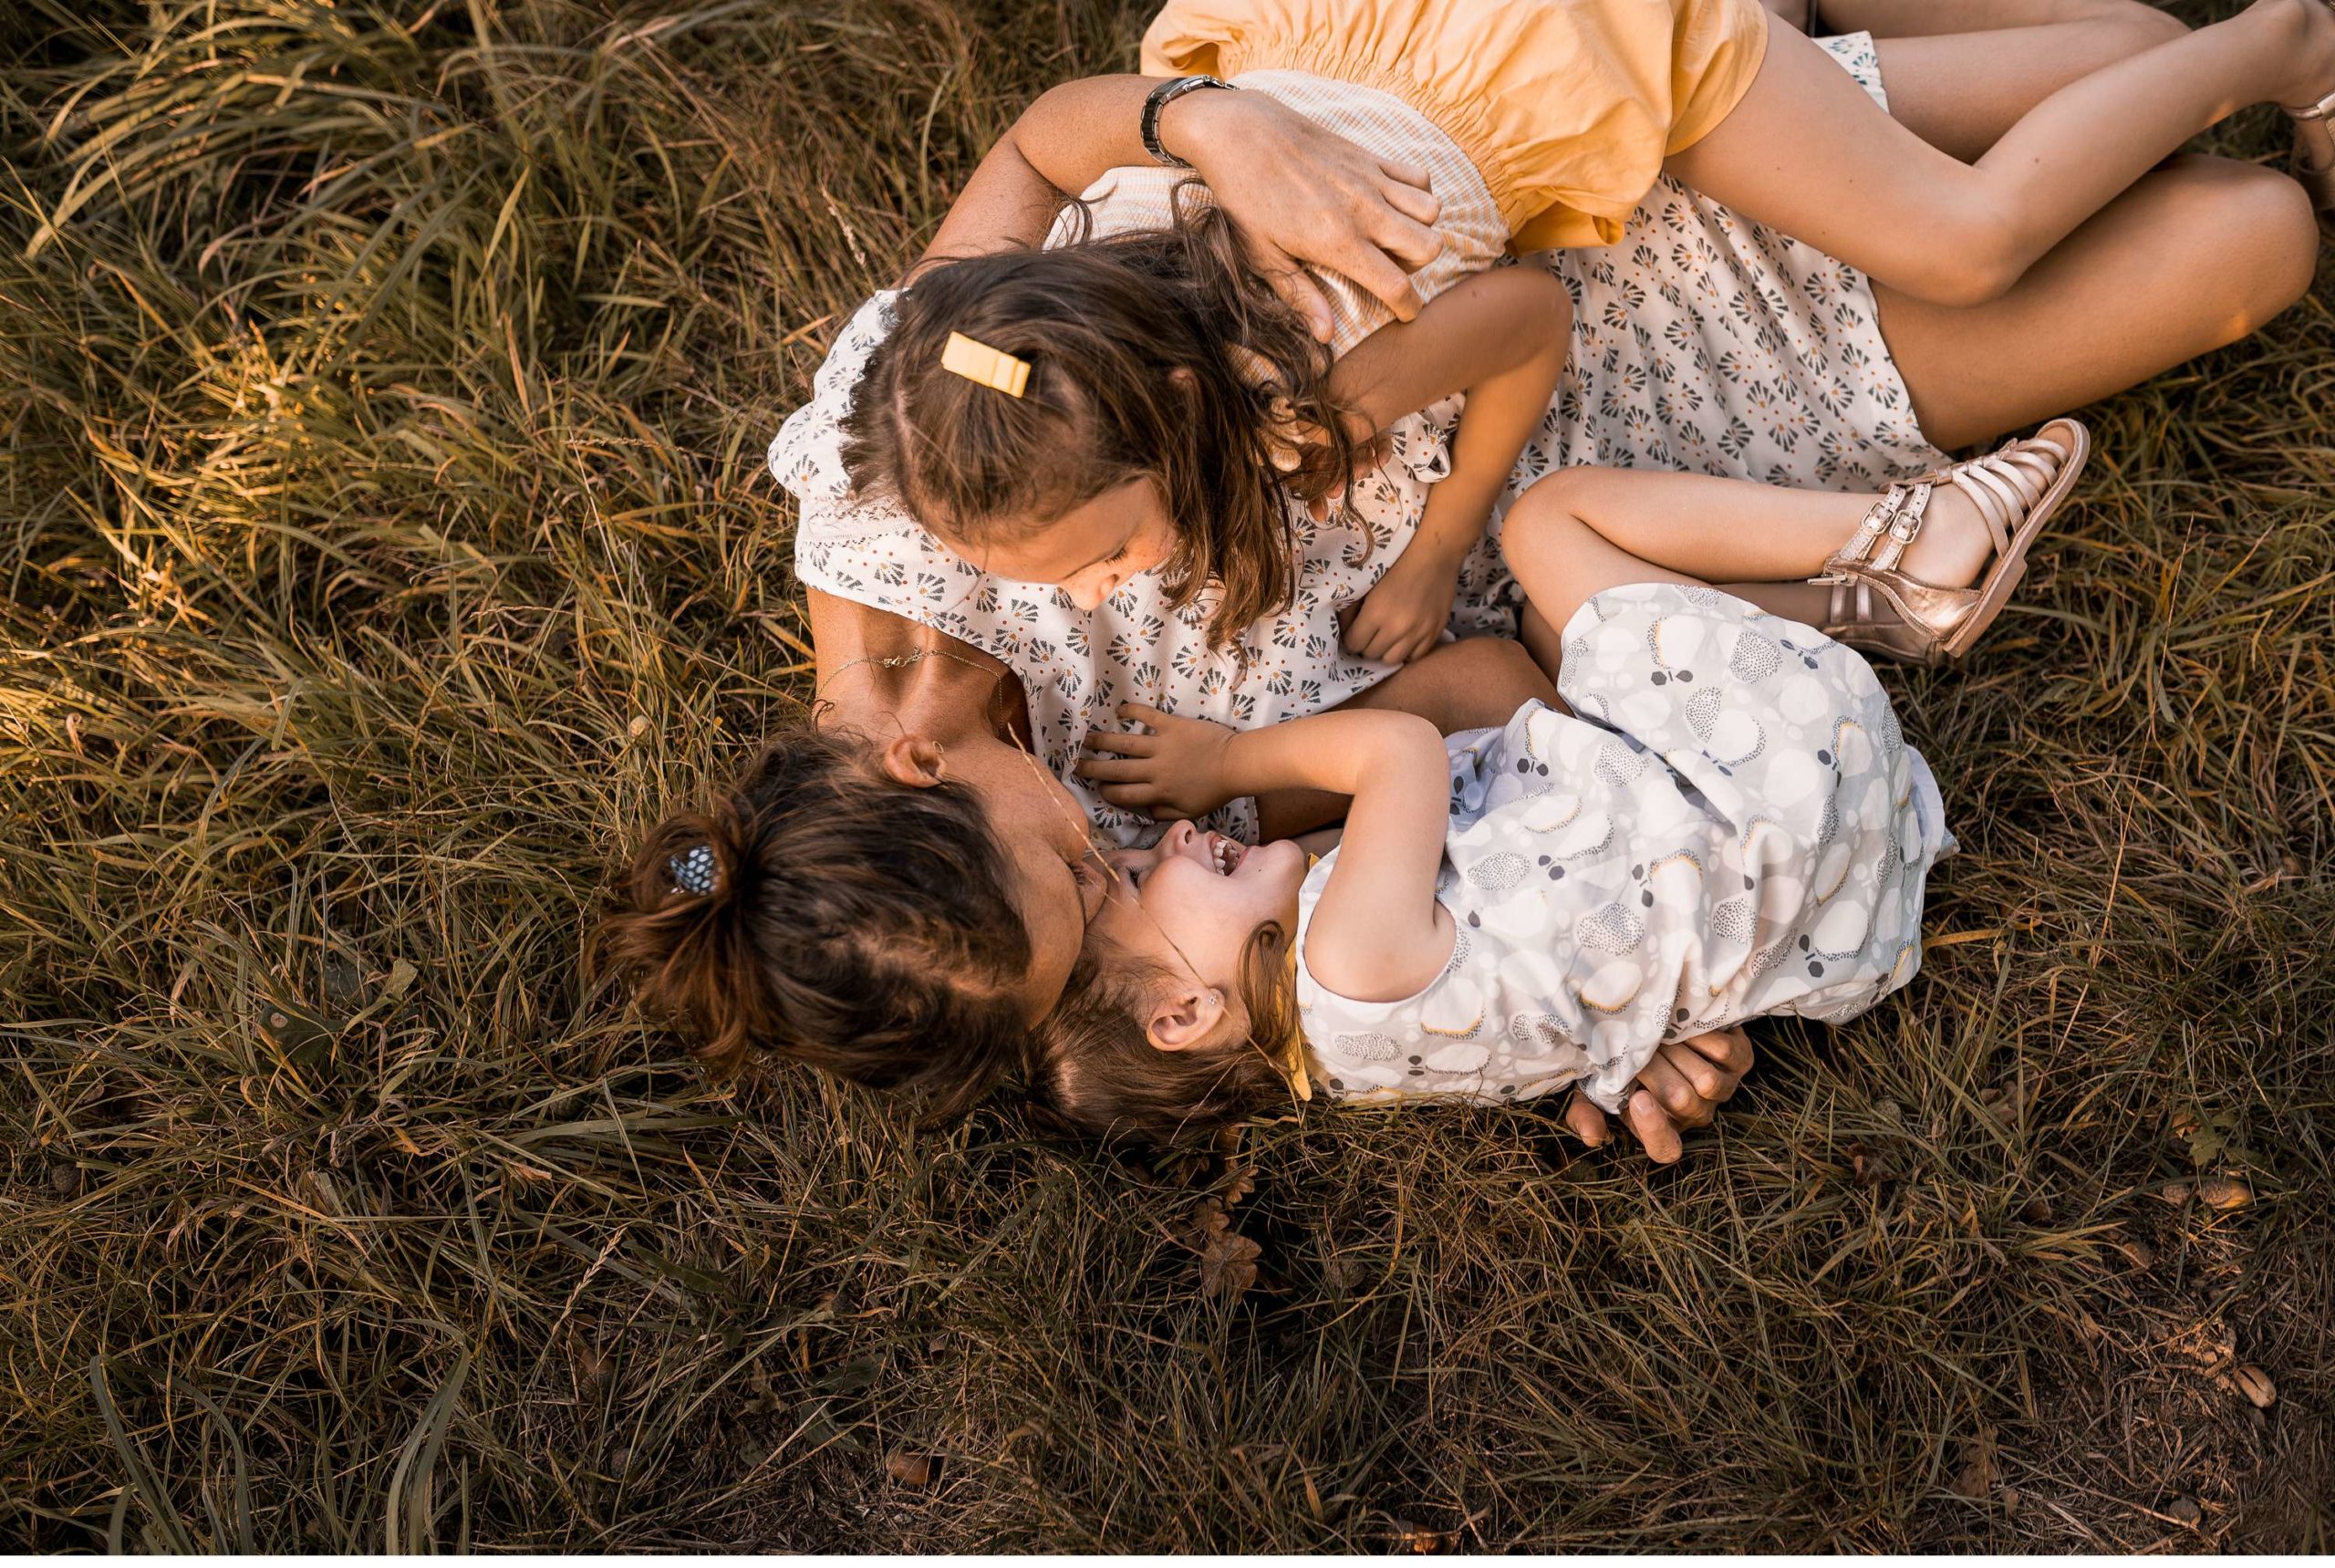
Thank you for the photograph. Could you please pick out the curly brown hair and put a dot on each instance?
(853, 924)
(1157, 355)
(1093, 1064)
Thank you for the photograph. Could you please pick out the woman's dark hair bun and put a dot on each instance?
(845, 921)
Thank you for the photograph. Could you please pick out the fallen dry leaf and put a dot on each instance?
(1978, 1475)
(2140, 1254)
(1241, 1183)
(2206, 1345)
(909, 1469)
(1866, 1167)
(1228, 1263)
(2229, 1194)
(1419, 1538)
(2256, 1384)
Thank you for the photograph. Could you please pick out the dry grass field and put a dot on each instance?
(384, 542)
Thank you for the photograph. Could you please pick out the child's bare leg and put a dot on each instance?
(1740, 531)
(1808, 152)
(1562, 562)
(1960, 91)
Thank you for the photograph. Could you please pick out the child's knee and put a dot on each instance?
(1551, 506)
(2255, 238)
(2268, 216)
(1986, 259)
(2144, 25)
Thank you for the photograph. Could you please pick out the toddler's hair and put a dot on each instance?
(853, 924)
(1094, 1066)
(1103, 326)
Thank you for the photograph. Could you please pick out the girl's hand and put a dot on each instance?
(1402, 617)
(1174, 772)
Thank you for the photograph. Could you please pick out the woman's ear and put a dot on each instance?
(1184, 1016)
(915, 761)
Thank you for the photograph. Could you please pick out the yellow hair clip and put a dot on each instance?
(990, 367)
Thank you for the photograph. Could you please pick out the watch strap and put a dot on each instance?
(1159, 97)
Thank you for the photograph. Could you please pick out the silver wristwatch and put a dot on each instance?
(1159, 97)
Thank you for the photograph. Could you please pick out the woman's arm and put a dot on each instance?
(1299, 194)
(1502, 337)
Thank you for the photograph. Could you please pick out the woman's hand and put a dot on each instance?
(1174, 772)
(1402, 617)
(1297, 193)
(1683, 1086)
(1301, 194)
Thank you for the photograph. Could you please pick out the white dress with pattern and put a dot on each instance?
(1728, 824)
(1699, 341)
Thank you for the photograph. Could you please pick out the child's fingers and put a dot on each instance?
(1112, 770)
(1143, 713)
(1121, 744)
(1728, 1050)
(1134, 797)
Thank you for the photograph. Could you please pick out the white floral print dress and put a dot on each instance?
(1729, 823)
(1699, 341)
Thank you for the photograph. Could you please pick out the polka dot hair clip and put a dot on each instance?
(694, 870)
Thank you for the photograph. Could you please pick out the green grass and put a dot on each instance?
(385, 543)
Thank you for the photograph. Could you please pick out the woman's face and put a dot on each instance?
(1056, 873)
(1190, 903)
(1090, 550)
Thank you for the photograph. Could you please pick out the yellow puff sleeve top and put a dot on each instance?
(1567, 107)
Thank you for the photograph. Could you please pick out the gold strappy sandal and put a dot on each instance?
(2315, 151)
(1877, 609)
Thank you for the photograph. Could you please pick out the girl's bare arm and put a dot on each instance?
(1378, 932)
(1502, 337)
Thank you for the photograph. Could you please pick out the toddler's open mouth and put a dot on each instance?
(1225, 854)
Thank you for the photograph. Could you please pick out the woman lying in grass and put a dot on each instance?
(1728, 824)
(900, 912)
